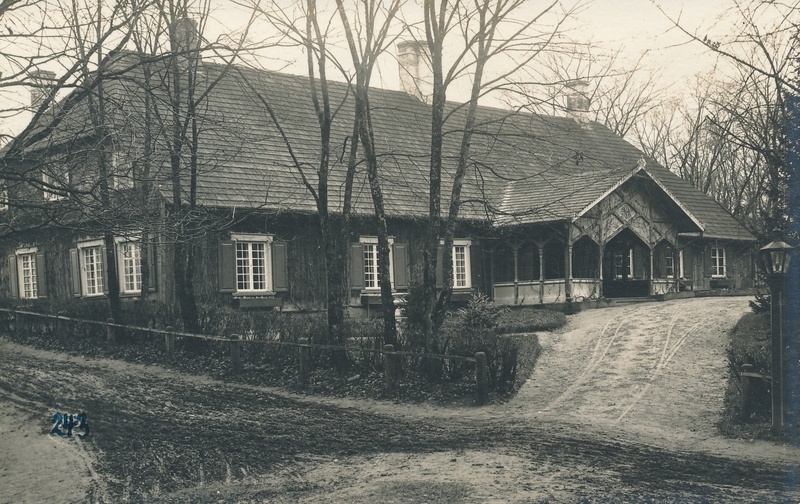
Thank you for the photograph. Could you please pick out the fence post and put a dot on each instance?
(110, 333)
(481, 379)
(169, 340)
(304, 352)
(391, 368)
(747, 376)
(17, 323)
(61, 330)
(236, 353)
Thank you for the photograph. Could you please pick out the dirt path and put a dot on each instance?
(621, 407)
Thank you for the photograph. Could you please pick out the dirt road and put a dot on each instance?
(620, 408)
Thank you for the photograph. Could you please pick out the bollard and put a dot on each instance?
(169, 340)
(110, 333)
(236, 354)
(305, 364)
(748, 378)
(391, 368)
(481, 379)
(61, 325)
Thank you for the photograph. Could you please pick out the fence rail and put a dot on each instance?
(391, 357)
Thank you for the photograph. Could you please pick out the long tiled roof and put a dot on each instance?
(524, 168)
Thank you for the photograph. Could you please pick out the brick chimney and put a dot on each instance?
(41, 82)
(416, 77)
(578, 100)
(185, 39)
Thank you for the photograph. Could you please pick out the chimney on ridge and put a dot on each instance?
(578, 101)
(41, 82)
(415, 75)
(185, 39)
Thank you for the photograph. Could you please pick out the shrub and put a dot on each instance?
(530, 319)
(761, 304)
(750, 344)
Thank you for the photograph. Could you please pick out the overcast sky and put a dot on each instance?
(635, 27)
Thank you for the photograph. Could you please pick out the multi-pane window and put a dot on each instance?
(27, 276)
(371, 272)
(129, 256)
(717, 262)
(371, 266)
(122, 173)
(251, 266)
(92, 270)
(461, 267)
(53, 180)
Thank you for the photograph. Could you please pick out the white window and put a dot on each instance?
(718, 262)
(3, 196)
(253, 259)
(371, 277)
(27, 274)
(91, 264)
(129, 260)
(670, 263)
(121, 172)
(462, 279)
(53, 180)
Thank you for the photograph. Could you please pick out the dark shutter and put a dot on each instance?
(707, 261)
(476, 263)
(357, 266)
(41, 279)
(152, 282)
(439, 267)
(12, 276)
(75, 272)
(280, 271)
(226, 264)
(400, 266)
(104, 269)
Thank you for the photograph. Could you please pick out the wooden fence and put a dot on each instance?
(391, 357)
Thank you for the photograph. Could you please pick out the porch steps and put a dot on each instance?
(630, 300)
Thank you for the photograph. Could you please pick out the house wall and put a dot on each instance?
(740, 264)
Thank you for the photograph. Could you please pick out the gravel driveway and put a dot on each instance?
(621, 408)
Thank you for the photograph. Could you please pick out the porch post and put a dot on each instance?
(601, 249)
(676, 268)
(541, 272)
(568, 265)
(515, 248)
(652, 270)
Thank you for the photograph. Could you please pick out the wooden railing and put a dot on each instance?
(391, 357)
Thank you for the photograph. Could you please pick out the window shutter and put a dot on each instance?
(707, 261)
(400, 266)
(75, 270)
(439, 267)
(226, 264)
(103, 270)
(356, 266)
(41, 279)
(152, 282)
(280, 270)
(12, 276)
(475, 263)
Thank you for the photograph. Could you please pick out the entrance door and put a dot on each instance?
(626, 266)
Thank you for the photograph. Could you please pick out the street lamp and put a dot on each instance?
(776, 257)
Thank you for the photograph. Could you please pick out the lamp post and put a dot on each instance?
(776, 257)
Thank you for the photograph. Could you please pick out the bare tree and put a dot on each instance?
(483, 31)
(762, 48)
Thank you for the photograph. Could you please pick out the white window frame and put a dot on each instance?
(3, 195)
(466, 243)
(100, 276)
(371, 243)
(119, 183)
(49, 195)
(119, 243)
(22, 254)
(718, 262)
(250, 239)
